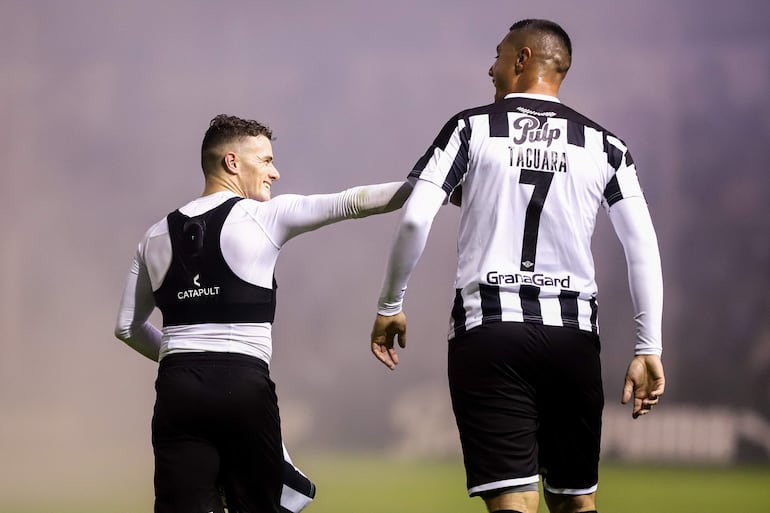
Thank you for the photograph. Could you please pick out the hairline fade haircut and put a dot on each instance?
(225, 129)
(548, 28)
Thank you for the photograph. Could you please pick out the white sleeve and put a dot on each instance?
(133, 326)
(633, 226)
(295, 214)
(420, 210)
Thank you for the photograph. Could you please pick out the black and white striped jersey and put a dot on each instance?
(533, 174)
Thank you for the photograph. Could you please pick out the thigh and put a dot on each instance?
(185, 477)
(186, 462)
(493, 400)
(570, 402)
(250, 445)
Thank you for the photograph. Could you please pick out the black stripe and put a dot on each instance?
(568, 301)
(422, 162)
(612, 192)
(629, 159)
(441, 141)
(594, 315)
(460, 163)
(443, 137)
(498, 124)
(297, 481)
(614, 155)
(530, 303)
(576, 134)
(491, 311)
(458, 313)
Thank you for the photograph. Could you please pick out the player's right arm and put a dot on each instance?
(289, 215)
(133, 326)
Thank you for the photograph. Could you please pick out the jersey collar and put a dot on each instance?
(533, 96)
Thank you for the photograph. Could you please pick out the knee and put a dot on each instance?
(570, 503)
(513, 502)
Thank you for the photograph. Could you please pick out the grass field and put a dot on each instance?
(352, 484)
(355, 483)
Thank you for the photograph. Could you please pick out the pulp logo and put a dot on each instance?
(530, 131)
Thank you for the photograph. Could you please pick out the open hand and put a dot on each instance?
(645, 382)
(384, 333)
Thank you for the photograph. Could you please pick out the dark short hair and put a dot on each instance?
(224, 129)
(548, 27)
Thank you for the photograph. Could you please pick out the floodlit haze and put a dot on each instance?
(104, 105)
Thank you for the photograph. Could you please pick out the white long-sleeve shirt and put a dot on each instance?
(251, 239)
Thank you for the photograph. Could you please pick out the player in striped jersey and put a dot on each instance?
(530, 175)
(209, 268)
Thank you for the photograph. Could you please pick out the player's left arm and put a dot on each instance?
(645, 380)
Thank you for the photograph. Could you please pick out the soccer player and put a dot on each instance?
(530, 175)
(209, 267)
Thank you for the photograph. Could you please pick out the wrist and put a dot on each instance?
(389, 308)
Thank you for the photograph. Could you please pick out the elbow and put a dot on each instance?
(384, 199)
(122, 332)
(413, 222)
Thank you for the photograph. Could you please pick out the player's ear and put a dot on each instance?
(231, 163)
(525, 54)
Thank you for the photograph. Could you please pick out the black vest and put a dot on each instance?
(199, 286)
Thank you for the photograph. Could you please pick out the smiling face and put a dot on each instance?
(255, 167)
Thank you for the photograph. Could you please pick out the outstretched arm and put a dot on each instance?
(295, 214)
(411, 237)
(645, 380)
(133, 326)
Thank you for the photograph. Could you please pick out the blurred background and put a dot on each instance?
(104, 105)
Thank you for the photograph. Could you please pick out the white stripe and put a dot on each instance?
(570, 491)
(550, 311)
(505, 483)
(293, 500)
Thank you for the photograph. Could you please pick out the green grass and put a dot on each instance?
(378, 484)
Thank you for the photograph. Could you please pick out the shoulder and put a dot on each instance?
(573, 115)
(155, 235)
(271, 209)
(480, 110)
(156, 230)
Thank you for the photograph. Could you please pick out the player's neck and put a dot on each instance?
(216, 184)
(537, 84)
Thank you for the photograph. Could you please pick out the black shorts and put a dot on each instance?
(216, 428)
(528, 400)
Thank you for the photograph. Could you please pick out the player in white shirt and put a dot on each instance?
(209, 267)
(530, 175)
